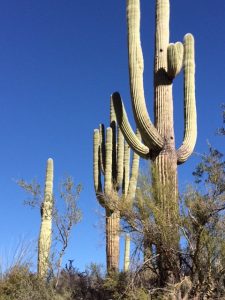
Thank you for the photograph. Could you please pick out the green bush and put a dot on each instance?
(18, 283)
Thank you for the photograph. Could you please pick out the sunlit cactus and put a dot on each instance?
(127, 253)
(158, 141)
(112, 162)
(44, 243)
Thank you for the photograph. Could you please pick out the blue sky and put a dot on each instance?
(59, 63)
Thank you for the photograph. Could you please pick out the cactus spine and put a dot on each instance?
(158, 138)
(44, 243)
(127, 253)
(112, 161)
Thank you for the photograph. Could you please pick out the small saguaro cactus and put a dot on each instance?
(112, 161)
(44, 243)
(158, 138)
(127, 253)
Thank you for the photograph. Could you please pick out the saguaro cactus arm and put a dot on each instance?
(97, 165)
(96, 162)
(130, 177)
(190, 115)
(105, 195)
(133, 178)
(118, 148)
(149, 133)
(108, 165)
(120, 157)
(126, 129)
(102, 147)
(175, 54)
(126, 177)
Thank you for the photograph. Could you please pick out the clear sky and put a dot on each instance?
(59, 63)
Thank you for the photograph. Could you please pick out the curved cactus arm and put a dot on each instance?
(112, 111)
(175, 54)
(149, 133)
(130, 137)
(190, 115)
(133, 176)
(108, 164)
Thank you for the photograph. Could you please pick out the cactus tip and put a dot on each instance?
(188, 36)
(116, 98)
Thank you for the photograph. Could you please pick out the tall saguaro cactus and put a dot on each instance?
(158, 138)
(44, 243)
(112, 161)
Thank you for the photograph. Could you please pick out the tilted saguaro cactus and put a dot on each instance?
(112, 161)
(158, 138)
(44, 243)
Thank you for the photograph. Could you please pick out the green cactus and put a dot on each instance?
(44, 243)
(158, 138)
(127, 253)
(112, 161)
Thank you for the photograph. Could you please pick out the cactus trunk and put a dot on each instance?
(44, 243)
(166, 196)
(165, 163)
(112, 240)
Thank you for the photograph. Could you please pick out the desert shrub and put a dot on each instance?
(94, 284)
(18, 283)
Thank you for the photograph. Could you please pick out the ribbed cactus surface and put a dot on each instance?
(127, 253)
(158, 140)
(113, 180)
(44, 243)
